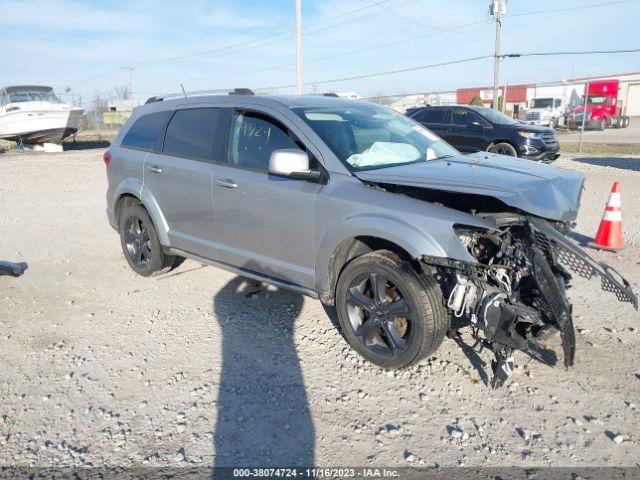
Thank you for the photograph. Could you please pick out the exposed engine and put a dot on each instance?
(515, 294)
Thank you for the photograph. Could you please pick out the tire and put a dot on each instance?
(553, 123)
(140, 243)
(626, 121)
(602, 124)
(504, 149)
(368, 320)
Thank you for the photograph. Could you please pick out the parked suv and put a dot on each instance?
(474, 129)
(361, 207)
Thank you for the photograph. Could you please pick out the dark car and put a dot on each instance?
(473, 129)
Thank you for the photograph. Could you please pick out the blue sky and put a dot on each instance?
(222, 44)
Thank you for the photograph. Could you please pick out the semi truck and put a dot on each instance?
(546, 111)
(602, 109)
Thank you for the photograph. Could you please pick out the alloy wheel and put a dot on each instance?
(379, 314)
(137, 241)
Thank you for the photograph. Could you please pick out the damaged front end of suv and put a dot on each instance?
(511, 291)
(515, 293)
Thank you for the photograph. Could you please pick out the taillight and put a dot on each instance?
(106, 157)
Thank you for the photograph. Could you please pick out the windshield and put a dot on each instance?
(369, 136)
(542, 103)
(599, 100)
(495, 117)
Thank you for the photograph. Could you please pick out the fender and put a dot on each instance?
(150, 203)
(416, 242)
(135, 187)
(128, 186)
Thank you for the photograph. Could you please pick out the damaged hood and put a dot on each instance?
(536, 188)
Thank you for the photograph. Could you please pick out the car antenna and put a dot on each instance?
(183, 91)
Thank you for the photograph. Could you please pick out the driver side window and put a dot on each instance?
(254, 137)
(464, 117)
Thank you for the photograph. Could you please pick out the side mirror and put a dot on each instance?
(292, 163)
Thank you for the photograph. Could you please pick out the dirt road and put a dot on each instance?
(101, 367)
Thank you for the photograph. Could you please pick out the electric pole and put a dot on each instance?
(129, 84)
(299, 84)
(497, 9)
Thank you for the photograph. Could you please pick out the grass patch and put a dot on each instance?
(602, 148)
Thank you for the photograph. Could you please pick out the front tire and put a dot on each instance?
(140, 243)
(388, 313)
(504, 149)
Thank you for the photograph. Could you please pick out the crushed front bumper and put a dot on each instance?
(557, 246)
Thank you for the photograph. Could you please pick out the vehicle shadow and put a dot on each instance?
(263, 417)
(622, 163)
(476, 361)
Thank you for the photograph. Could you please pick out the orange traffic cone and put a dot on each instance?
(609, 236)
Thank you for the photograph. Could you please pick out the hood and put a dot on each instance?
(536, 188)
(590, 108)
(529, 128)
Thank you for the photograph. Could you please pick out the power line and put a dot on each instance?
(402, 17)
(570, 9)
(454, 62)
(388, 72)
(257, 40)
(583, 52)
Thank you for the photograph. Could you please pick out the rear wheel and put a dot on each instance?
(388, 313)
(504, 149)
(626, 122)
(140, 243)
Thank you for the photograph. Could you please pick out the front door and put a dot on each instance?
(264, 223)
(467, 130)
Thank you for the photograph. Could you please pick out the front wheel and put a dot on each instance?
(140, 243)
(388, 313)
(602, 124)
(553, 123)
(504, 149)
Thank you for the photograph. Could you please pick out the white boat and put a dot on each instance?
(34, 114)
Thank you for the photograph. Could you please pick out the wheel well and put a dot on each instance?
(493, 144)
(356, 247)
(123, 201)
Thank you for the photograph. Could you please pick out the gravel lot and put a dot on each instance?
(102, 367)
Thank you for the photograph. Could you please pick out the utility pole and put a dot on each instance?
(497, 9)
(299, 84)
(129, 84)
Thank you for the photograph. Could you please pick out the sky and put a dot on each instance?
(213, 44)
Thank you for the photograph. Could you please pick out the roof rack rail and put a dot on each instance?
(235, 91)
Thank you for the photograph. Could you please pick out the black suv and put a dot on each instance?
(473, 129)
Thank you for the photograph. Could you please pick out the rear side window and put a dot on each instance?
(198, 133)
(433, 115)
(147, 132)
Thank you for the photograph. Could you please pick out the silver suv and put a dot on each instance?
(361, 207)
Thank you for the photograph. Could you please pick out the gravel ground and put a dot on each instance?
(199, 367)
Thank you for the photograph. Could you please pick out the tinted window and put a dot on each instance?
(462, 116)
(433, 115)
(254, 137)
(196, 133)
(147, 132)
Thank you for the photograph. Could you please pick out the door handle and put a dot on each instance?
(154, 169)
(226, 183)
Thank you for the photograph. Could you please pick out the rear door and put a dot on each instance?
(435, 119)
(467, 130)
(180, 177)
